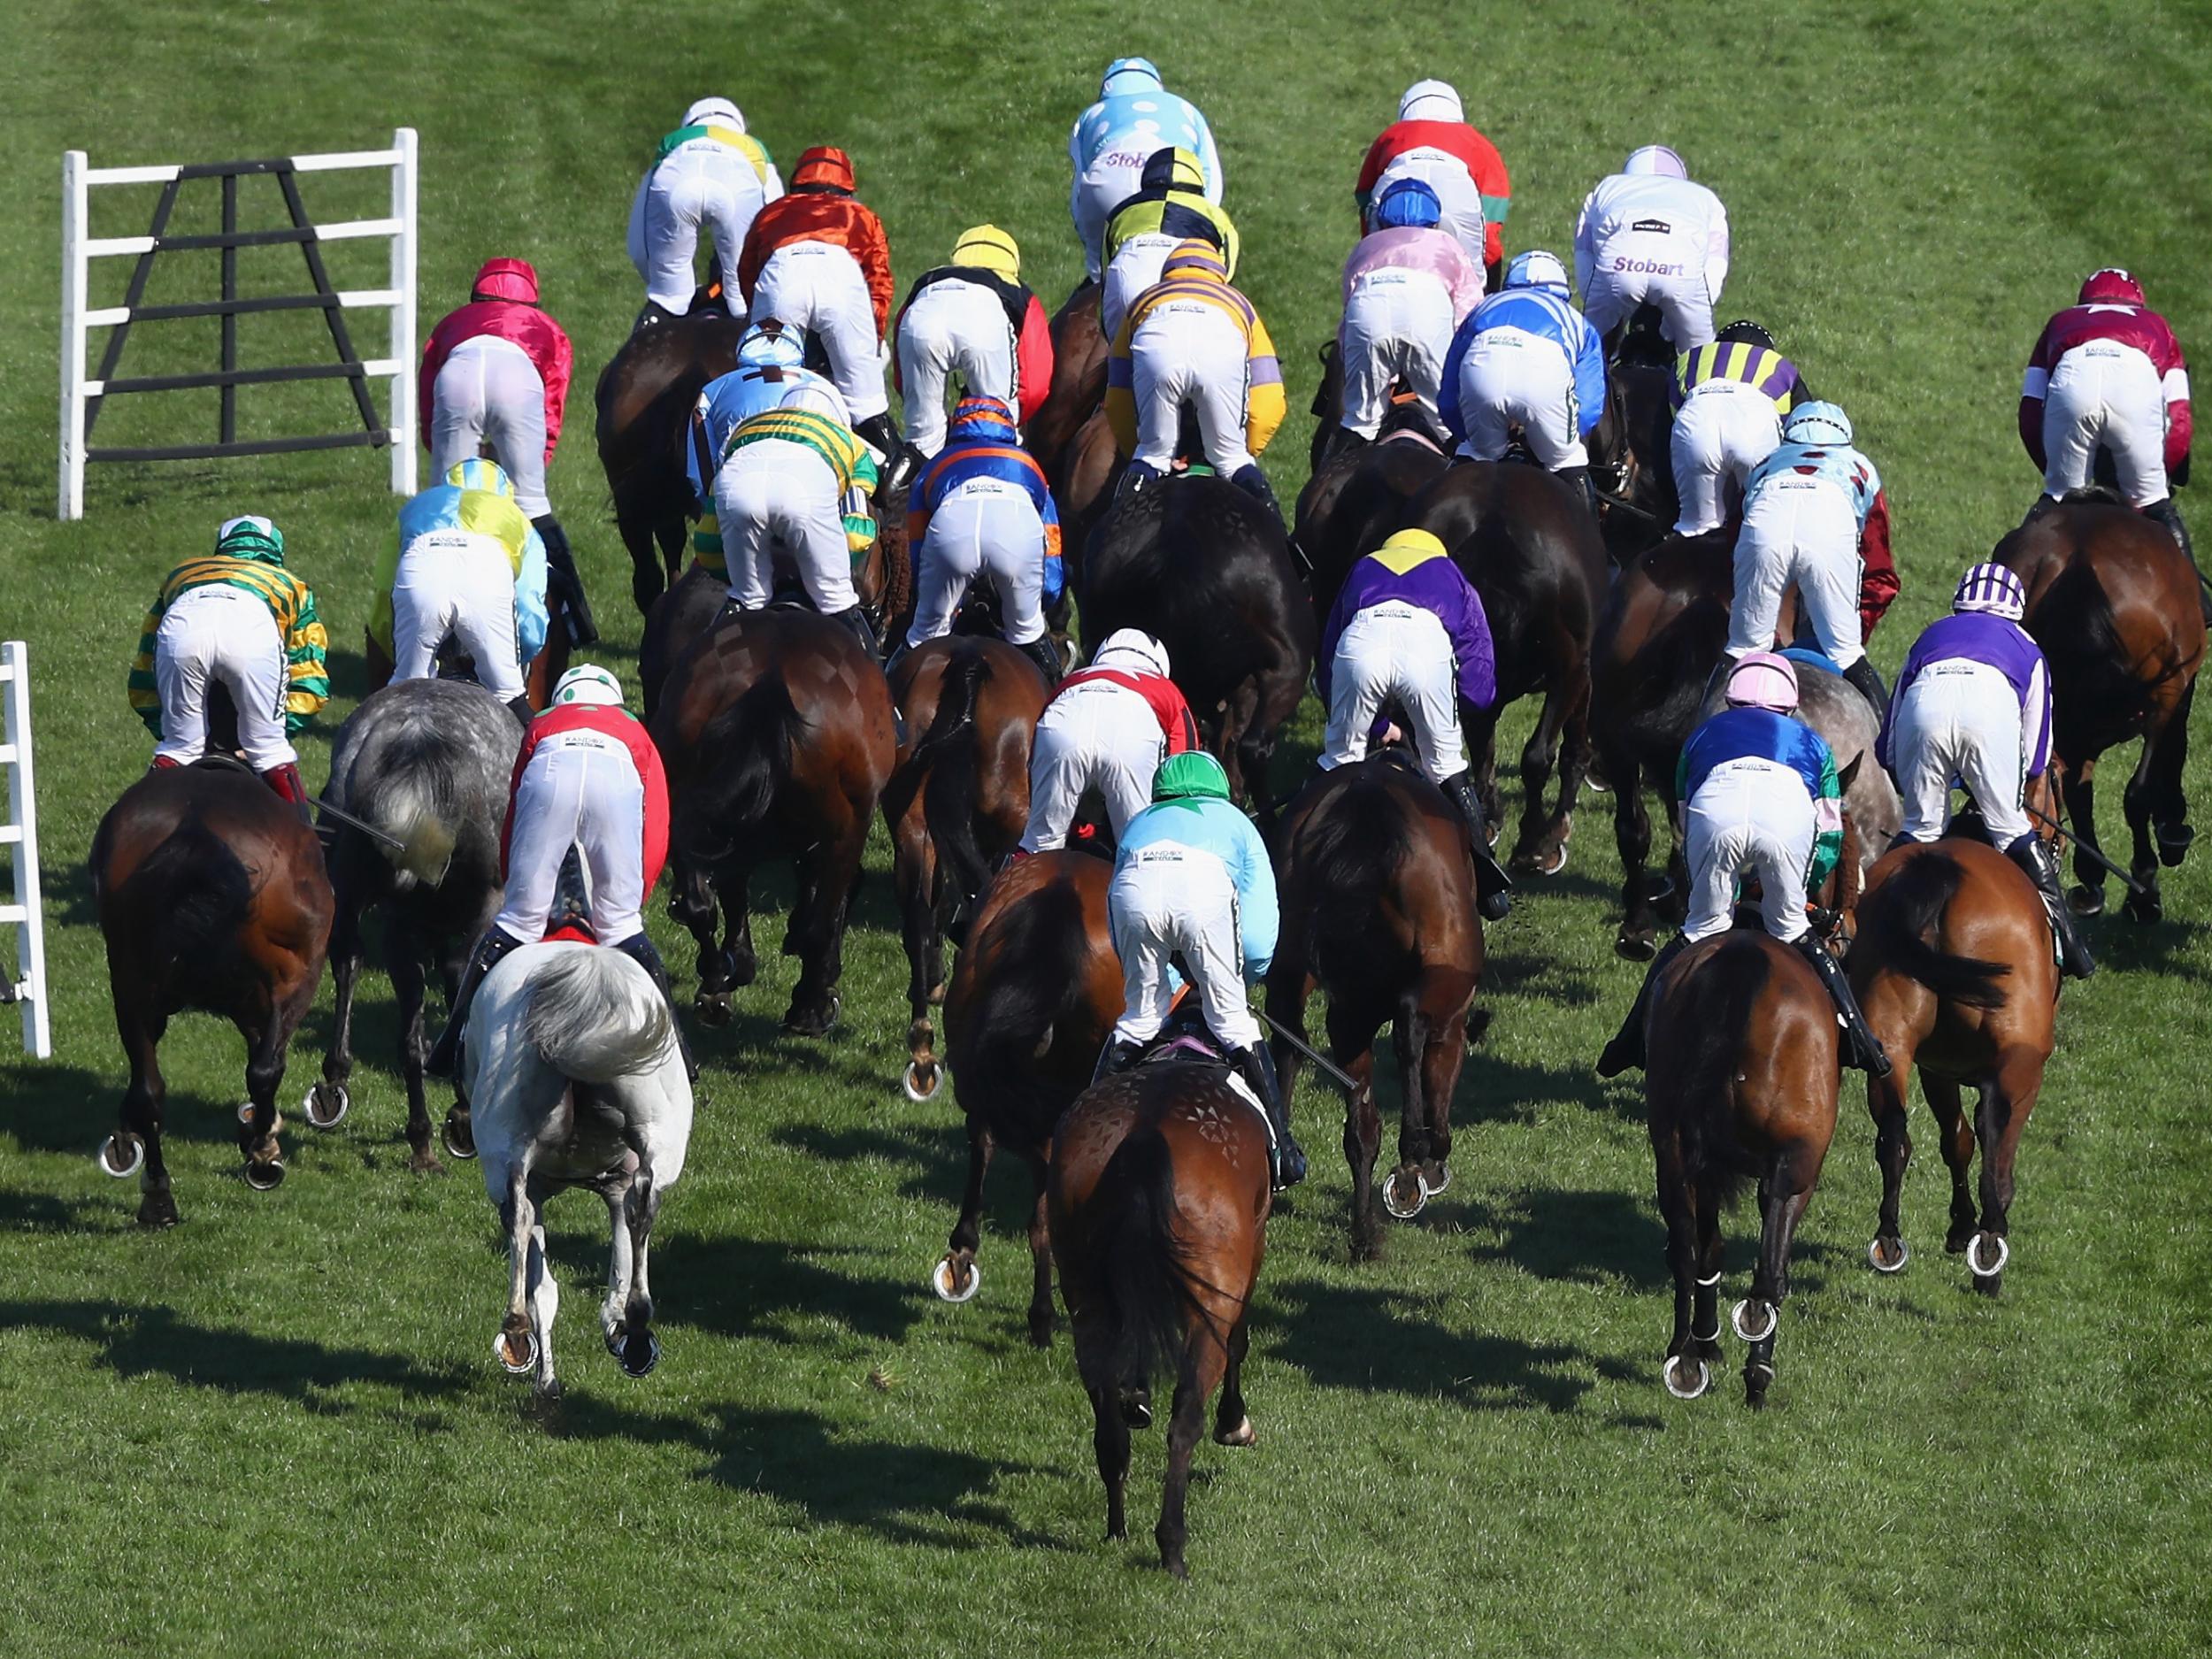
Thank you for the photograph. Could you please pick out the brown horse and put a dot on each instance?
(212, 895)
(1741, 1086)
(1034, 995)
(1352, 503)
(776, 732)
(1953, 966)
(1378, 897)
(1069, 435)
(1631, 448)
(1158, 1201)
(2112, 600)
(955, 804)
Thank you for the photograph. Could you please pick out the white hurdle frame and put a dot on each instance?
(19, 834)
(78, 320)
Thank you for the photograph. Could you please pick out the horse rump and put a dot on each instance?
(751, 743)
(1707, 1016)
(1896, 927)
(1147, 1278)
(202, 892)
(948, 750)
(1351, 846)
(595, 1016)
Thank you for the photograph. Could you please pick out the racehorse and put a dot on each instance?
(1741, 1086)
(1526, 543)
(776, 732)
(956, 805)
(2112, 600)
(1158, 1201)
(1954, 969)
(1068, 434)
(1034, 996)
(1631, 448)
(575, 1080)
(212, 895)
(1377, 901)
(645, 397)
(430, 757)
(1351, 504)
(1205, 570)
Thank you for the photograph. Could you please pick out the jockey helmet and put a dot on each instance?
(822, 169)
(772, 343)
(1817, 422)
(250, 537)
(1992, 588)
(2112, 285)
(980, 419)
(588, 682)
(1193, 773)
(1172, 169)
(1744, 332)
(715, 112)
(991, 249)
(1406, 203)
(1431, 101)
(1195, 258)
(478, 472)
(1126, 75)
(1537, 269)
(506, 280)
(1655, 161)
(1134, 651)
(1413, 547)
(1763, 680)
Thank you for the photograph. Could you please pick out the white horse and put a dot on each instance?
(575, 1080)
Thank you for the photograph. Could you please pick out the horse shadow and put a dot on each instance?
(2172, 947)
(1597, 1238)
(45, 1213)
(1530, 973)
(760, 1284)
(1495, 1090)
(934, 1155)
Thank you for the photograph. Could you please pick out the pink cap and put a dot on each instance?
(1763, 680)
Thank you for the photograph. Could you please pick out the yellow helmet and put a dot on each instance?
(991, 249)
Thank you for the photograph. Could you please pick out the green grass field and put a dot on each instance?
(279, 1425)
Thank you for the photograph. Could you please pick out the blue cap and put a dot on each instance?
(1407, 203)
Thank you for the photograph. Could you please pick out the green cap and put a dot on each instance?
(1192, 772)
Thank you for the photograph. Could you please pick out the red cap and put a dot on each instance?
(506, 280)
(824, 167)
(2111, 284)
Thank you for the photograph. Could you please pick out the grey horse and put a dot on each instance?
(1834, 707)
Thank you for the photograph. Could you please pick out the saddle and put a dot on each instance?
(1185, 1037)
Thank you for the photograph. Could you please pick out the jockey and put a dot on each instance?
(799, 476)
(1135, 118)
(1193, 881)
(818, 260)
(1973, 702)
(1760, 792)
(982, 506)
(709, 171)
(1647, 234)
(974, 316)
(1806, 509)
(1407, 287)
(1108, 727)
(495, 376)
(1407, 632)
(236, 616)
(1526, 358)
(1169, 209)
(1431, 140)
(2107, 374)
(1730, 397)
(1192, 338)
(769, 360)
(467, 566)
(588, 777)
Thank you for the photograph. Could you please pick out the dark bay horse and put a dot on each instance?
(1631, 448)
(1527, 545)
(776, 730)
(955, 804)
(433, 754)
(1069, 435)
(212, 895)
(1378, 898)
(2112, 600)
(1954, 969)
(1351, 504)
(1034, 993)
(1742, 1086)
(1158, 1201)
(1206, 570)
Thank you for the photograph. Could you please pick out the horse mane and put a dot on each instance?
(595, 1016)
(1897, 925)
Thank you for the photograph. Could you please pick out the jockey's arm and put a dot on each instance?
(1258, 916)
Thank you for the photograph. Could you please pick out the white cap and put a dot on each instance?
(1431, 101)
(1655, 161)
(720, 111)
(1151, 656)
(249, 521)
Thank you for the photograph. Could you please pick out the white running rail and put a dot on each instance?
(18, 835)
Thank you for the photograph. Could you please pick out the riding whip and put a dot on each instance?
(2096, 855)
(426, 852)
(1342, 1078)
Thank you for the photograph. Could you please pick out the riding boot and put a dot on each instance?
(905, 465)
(1626, 1050)
(1257, 1067)
(650, 315)
(1579, 478)
(1862, 1048)
(286, 781)
(1043, 652)
(1493, 888)
(445, 1056)
(2166, 513)
(2043, 505)
(879, 434)
(640, 949)
(1254, 483)
(518, 705)
(1117, 1057)
(582, 630)
(856, 619)
(1136, 478)
(165, 762)
(1862, 674)
(732, 606)
(2040, 862)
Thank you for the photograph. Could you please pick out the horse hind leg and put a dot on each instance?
(1782, 1202)
(2006, 1098)
(259, 1122)
(2169, 806)
(1352, 1045)
(329, 1101)
(1957, 1143)
(1040, 1265)
(136, 1142)
(2080, 789)
(409, 985)
(1204, 1360)
(955, 1279)
(1232, 1422)
(2140, 801)
(1885, 1102)
(516, 1347)
(1685, 1369)
(639, 1350)
(1631, 834)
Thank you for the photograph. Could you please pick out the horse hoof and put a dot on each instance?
(1136, 1410)
(2087, 901)
(1242, 1435)
(326, 1105)
(265, 1178)
(516, 1351)
(1736, 1318)
(640, 1354)
(121, 1154)
(1880, 1256)
(458, 1138)
(1978, 1247)
(1686, 1377)
(808, 1023)
(2145, 906)
(955, 1280)
(158, 1210)
(1634, 946)
(1440, 1182)
(276, 1119)
(2174, 841)
(912, 1081)
(1401, 1201)
(712, 1008)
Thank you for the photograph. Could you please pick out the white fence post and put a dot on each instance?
(22, 833)
(405, 437)
(75, 197)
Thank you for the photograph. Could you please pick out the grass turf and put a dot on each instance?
(279, 1422)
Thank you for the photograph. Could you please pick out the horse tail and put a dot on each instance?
(204, 889)
(1351, 849)
(1897, 928)
(1150, 1282)
(747, 751)
(948, 751)
(1719, 1006)
(594, 1016)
